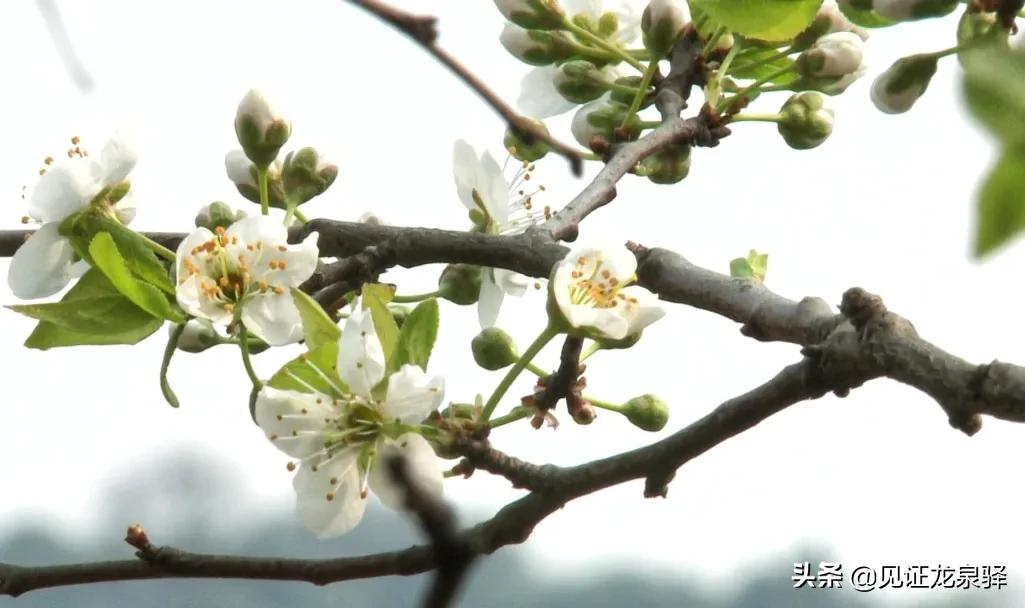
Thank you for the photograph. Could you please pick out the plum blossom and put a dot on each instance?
(340, 440)
(244, 273)
(46, 262)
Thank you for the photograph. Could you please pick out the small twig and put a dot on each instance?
(453, 552)
(415, 27)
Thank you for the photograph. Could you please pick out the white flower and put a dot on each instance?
(46, 262)
(245, 273)
(834, 55)
(593, 290)
(483, 189)
(340, 440)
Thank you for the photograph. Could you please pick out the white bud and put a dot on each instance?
(833, 55)
(261, 128)
(532, 14)
(239, 169)
(898, 88)
(518, 42)
(661, 24)
(583, 129)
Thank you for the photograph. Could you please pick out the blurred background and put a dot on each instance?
(878, 478)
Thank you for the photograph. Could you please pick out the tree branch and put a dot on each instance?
(422, 30)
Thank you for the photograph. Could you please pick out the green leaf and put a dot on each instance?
(756, 72)
(91, 313)
(416, 339)
(995, 90)
(375, 299)
(140, 259)
(754, 266)
(762, 19)
(106, 256)
(318, 328)
(1001, 203)
(312, 372)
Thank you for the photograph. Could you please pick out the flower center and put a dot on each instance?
(594, 285)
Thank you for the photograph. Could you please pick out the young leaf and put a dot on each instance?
(106, 256)
(140, 259)
(1001, 203)
(995, 91)
(762, 19)
(417, 336)
(92, 313)
(754, 266)
(375, 299)
(312, 372)
(318, 328)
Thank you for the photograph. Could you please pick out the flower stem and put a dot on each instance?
(414, 298)
(758, 83)
(261, 178)
(289, 214)
(590, 350)
(713, 39)
(605, 405)
(642, 92)
(157, 248)
(299, 215)
(756, 117)
(769, 59)
(172, 345)
(603, 44)
(535, 347)
(518, 413)
(243, 346)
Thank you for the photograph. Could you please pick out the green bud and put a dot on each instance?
(399, 313)
(242, 172)
(494, 349)
(532, 14)
(647, 412)
(627, 97)
(804, 122)
(217, 214)
(661, 24)
(580, 81)
(667, 166)
(521, 150)
(261, 130)
(537, 47)
(198, 335)
(305, 174)
(601, 119)
(460, 284)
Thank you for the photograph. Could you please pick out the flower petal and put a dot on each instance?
(512, 283)
(273, 317)
(539, 97)
(339, 478)
(63, 190)
(466, 171)
(494, 189)
(239, 168)
(644, 308)
(422, 464)
(411, 395)
(294, 421)
(117, 160)
(43, 264)
(489, 302)
(360, 356)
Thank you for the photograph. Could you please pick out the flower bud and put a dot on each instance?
(647, 412)
(601, 119)
(519, 149)
(804, 121)
(217, 215)
(829, 86)
(460, 284)
(537, 47)
(372, 219)
(494, 349)
(261, 130)
(399, 313)
(898, 88)
(306, 174)
(242, 172)
(833, 55)
(580, 81)
(198, 335)
(828, 20)
(532, 14)
(909, 10)
(626, 97)
(667, 166)
(661, 24)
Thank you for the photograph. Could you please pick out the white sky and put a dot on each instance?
(886, 204)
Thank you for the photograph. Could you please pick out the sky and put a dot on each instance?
(887, 203)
